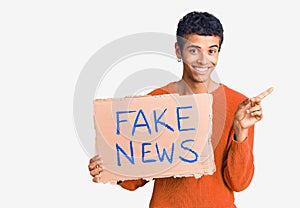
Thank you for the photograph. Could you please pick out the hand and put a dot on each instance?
(248, 113)
(95, 168)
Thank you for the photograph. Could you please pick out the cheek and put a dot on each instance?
(213, 60)
(189, 58)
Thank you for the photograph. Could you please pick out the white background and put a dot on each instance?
(45, 44)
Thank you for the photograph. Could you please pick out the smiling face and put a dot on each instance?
(200, 57)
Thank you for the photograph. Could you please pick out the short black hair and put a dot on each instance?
(201, 23)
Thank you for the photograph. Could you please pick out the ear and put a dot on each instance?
(178, 52)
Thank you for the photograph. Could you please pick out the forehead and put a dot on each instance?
(202, 40)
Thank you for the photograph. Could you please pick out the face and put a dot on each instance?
(200, 57)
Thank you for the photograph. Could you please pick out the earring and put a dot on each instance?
(179, 60)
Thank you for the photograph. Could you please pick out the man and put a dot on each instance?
(199, 40)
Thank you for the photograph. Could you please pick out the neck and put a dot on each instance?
(186, 88)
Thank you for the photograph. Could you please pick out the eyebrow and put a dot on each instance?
(195, 46)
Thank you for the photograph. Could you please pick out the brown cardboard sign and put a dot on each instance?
(154, 136)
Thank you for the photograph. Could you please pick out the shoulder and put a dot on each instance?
(158, 91)
(167, 89)
(232, 99)
(233, 96)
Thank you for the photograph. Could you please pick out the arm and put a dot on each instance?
(239, 165)
(132, 185)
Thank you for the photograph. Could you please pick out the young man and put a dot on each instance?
(199, 40)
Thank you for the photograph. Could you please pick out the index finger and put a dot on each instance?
(265, 93)
(93, 159)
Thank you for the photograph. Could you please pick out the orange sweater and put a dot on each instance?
(234, 162)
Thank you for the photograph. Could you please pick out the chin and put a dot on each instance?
(197, 80)
(201, 79)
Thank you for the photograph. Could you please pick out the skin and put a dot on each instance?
(95, 168)
(200, 57)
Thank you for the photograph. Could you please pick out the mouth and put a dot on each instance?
(201, 70)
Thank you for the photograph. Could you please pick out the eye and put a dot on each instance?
(212, 51)
(193, 51)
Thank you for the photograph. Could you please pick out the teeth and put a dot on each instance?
(201, 69)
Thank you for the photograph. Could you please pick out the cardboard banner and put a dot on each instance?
(154, 136)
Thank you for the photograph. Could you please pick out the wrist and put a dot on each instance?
(240, 134)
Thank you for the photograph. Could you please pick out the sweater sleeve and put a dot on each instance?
(132, 185)
(239, 164)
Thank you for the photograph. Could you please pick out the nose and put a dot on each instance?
(202, 59)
